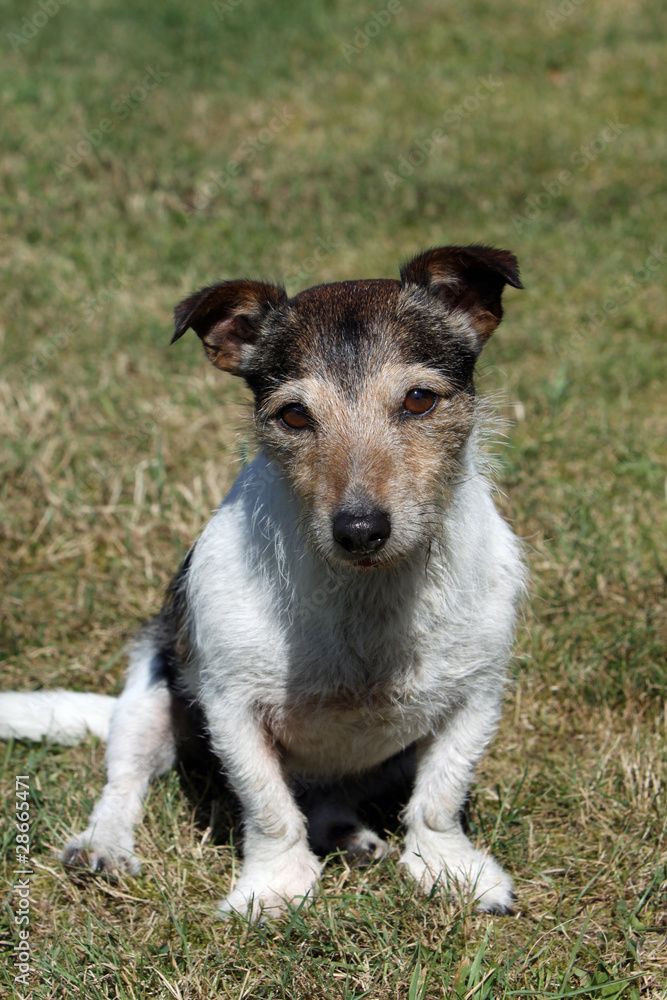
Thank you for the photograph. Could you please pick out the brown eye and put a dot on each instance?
(295, 417)
(419, 401)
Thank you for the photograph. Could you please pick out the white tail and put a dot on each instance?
(64, 717)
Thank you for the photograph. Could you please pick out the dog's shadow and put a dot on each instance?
(211, 798)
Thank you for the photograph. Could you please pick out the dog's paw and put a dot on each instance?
(363, 845)
(335, 826)
(268, 890)
(107, 854)
(451, 862)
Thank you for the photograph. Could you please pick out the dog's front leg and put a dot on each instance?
(278, 866)
(436, 848)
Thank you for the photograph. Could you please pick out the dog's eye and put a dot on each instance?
(295, 417)
(419, 401)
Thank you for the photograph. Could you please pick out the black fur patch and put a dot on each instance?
(344, 331)
(168, 631)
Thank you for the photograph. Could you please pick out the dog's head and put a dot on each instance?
(363, 389)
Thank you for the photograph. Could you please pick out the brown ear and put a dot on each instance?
(467, 279)
(227, 317)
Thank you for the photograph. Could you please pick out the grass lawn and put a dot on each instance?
(149, 149)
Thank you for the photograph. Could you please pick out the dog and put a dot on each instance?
(348, 612)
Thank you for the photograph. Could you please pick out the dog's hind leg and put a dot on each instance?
(334, 811)
(334, 825)
(141, 746)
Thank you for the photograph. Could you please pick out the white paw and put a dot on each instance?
(450, 860)
(267, 889)
(102, 851)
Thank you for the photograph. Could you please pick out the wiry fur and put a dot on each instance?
(66, 717)
(318, 660)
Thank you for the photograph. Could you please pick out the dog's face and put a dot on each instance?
(363, 390)
(366, 420)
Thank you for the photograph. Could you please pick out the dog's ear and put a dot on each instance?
(228, 317)
(468, 280)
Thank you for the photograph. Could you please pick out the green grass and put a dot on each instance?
(115, 448)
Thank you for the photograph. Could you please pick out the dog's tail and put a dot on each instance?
(64, 717)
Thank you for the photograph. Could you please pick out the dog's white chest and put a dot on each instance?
(344, 735)
(344, 671)
(343, 716)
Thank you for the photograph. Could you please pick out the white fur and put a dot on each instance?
(64, 717)
(318, 670)
(310, 664)
(345, 668)
(141, 746)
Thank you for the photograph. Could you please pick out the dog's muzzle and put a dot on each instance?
(361, 532)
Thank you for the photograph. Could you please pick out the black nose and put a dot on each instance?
(361, 531)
